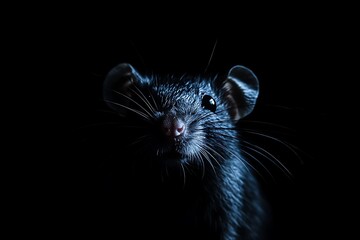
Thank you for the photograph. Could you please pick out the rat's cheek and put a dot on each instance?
(195, 143)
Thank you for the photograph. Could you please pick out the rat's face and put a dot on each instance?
(179, 120)
(182, 118)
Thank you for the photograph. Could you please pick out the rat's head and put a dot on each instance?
(182, 119)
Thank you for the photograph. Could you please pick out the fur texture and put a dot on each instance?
(174, 168)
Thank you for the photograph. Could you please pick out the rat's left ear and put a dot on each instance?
(241, 90)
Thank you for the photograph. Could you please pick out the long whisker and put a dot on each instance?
(141, 95)
(240, 158)
(139, 139)
(127, 97)
(198, 156)
(184, 175)
(287, 145)
(263, 152)
(208, 149)
(117, 124)
(206, 155)
(223, 134)
(259, 162)
(211, 56)
(130, 109)
(269, 124)
(153, 99)
(217, 128)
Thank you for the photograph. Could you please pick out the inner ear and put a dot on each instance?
(241, 89)
(117, 83)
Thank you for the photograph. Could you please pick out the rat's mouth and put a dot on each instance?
(173, 154)
(174, 150)
(179, 150)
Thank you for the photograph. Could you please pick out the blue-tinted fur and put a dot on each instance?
(199, 187)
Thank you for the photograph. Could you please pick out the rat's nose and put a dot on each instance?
(173, 126)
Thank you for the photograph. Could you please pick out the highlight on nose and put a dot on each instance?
(173, 126)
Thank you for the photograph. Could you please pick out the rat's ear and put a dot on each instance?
(241, 90)
(117, 83)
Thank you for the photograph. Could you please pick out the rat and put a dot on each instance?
(174, 167)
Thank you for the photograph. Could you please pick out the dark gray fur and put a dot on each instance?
(197, 186)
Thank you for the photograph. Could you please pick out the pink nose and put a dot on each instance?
(173, 127)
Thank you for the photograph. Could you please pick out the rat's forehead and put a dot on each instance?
(184, 91)
(182, 85)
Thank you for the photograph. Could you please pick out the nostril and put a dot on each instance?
(173, 127)
(179, 128)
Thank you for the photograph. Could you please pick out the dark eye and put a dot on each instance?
(208, 103)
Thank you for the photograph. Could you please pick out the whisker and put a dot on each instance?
(287, 145)
(153, 99)
(138, 104)
(182, 77)
(206, 147)
(263, 152)
(130, 109)
(227, 135)
(218, 128)
(211, 56)
(117, 124)
(209, 114)
(270, 124)
(202, 165)
(139, 139)
(203, 116)
(259, 162)
(240, 158)
(184, 175)
(269, 156)
(206, 155)
(141, 95)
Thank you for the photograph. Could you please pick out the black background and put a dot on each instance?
(294, 65)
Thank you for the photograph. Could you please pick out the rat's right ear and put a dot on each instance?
(116, 85)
